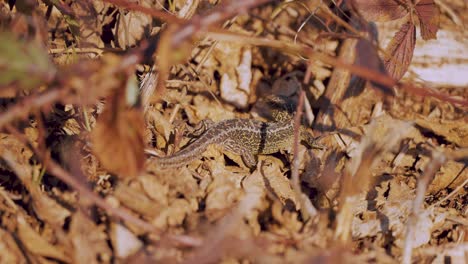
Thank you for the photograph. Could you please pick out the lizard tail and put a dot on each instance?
(184, 156)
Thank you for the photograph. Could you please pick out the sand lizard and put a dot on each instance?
(245, 137)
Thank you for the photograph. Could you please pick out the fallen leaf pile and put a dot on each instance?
(93, 92)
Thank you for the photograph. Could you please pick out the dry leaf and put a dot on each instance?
(279, 184)
(36, 244)
(18, 151)
(90, 242)
(118, 138)
(10, 252)
(223, 192)
(399, 52)
(428, 15)
(132, 27)
(455, 131)
(135, 199)
(87, 30)
(48, 209)
(154, 189)
(380, 10)
(174, 214)
(394, 203)
(233, 62)
(450, 175)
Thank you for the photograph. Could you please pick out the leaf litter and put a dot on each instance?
(78, 139)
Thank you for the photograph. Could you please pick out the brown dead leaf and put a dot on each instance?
(46, 208)
(89, 240)
(136, 200)
(204, 108)
(89, 31)
(394, 201)
(10, 252)
(154, 189)
(223, 192)
(450, 175)
(380, 137)
(37, 244)
(18, 151)
(279, 184)
(118, 138)
(174, 214)
(399, 52)
(380, 10)
(428, 15)
(132, 27)
(455, 131)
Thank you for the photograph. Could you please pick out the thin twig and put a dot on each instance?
(438, 159)
(296, 183)
(297, 124)
(25, 106)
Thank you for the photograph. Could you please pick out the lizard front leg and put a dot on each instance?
(310, 140)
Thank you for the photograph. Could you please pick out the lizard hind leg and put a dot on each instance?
(247, 157)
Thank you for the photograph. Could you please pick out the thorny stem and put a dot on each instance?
(295, 163)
